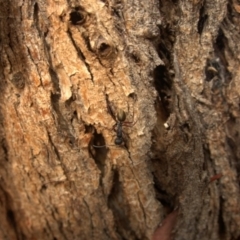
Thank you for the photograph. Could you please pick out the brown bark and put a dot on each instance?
(69, 69)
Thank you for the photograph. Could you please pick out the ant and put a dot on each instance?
(120, 122)
(121, 117)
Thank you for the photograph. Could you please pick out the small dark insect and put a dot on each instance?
(121, 117)
(120, 122)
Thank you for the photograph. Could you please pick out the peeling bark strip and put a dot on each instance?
(172, 67)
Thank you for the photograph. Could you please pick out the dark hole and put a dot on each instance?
(220, 41)
(46, 33)
(36, 9)
(11, 217)
(201, 23)
(76, 17)
(55, 98)
(103, 47)
(222, 228)
(159, 75)
(163, 86)
(44, 187)
(71, 142)
(133, 96)
(98, 150)
(220, 44)
(202, 19)
(98, 140)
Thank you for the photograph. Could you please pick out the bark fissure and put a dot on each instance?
(81, 55)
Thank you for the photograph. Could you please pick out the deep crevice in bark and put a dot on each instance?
(163, 85)
(116, 203)
(80, 53)
(55, 82)
(99, 154)
(203, 17)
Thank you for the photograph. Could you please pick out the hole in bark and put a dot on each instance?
(11, 218)
(163, 86)
(99, 154)
(220, 41)
(77, 17)
(202, 19)
(43, 188)
(35, 12)
(220, 47)
(222, 229)
(104, 49)
(71, 142)
(98, 139)
(132, 96)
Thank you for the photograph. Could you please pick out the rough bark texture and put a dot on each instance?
(69, 68)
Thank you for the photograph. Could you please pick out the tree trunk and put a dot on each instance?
(116, 115)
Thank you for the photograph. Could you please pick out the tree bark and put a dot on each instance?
(159, 77)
